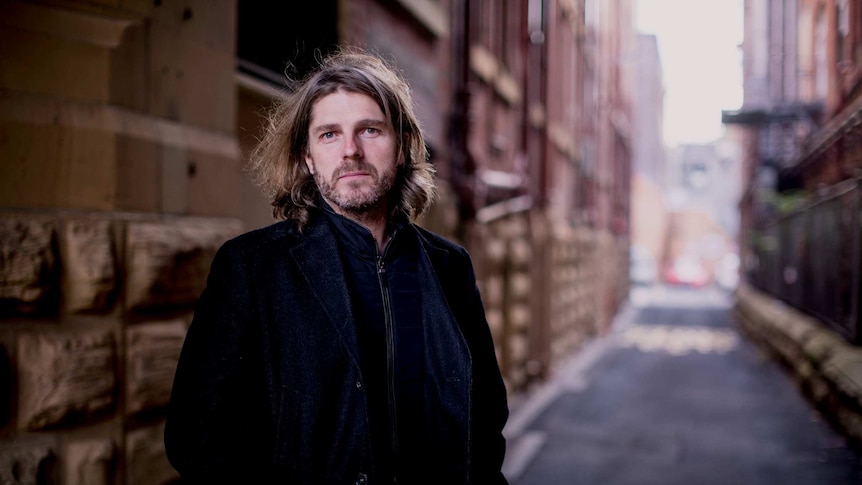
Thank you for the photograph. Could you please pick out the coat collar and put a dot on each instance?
(318, 258)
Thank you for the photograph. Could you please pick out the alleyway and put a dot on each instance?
(673, 396)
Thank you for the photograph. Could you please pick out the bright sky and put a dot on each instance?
(698, 43)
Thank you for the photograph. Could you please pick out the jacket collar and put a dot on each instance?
(319, 260)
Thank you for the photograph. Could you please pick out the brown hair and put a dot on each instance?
(277, 163)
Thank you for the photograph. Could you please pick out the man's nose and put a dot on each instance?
(352, 147)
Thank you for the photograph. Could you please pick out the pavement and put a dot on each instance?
(674, 394)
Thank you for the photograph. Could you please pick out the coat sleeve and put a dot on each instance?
(217, 413)
(490, 410)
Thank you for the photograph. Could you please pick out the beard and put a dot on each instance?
(357, 196)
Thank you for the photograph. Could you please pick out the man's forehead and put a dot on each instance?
(345, 107)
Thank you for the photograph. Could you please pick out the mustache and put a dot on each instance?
(355, 166)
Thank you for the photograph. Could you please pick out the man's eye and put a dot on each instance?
(328, 135)
(372, 131)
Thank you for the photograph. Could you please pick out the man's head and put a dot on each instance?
(348, 132)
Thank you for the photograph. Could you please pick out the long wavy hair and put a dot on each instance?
(277, 163)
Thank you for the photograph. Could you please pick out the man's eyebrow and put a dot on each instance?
(325, 128)
(372, 122)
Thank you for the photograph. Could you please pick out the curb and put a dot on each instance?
(827, 369)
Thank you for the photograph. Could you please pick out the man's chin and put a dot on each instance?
(357, 205)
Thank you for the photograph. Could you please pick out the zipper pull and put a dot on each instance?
(381, 265)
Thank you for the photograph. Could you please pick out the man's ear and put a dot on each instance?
(309, 162)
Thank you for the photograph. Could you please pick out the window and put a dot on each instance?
(278, 38)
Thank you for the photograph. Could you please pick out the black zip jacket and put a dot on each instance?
(269, 387)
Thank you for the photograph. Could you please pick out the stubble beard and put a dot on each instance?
(357, 197)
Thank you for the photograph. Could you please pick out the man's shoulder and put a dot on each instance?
(261, 238)
(439, 242)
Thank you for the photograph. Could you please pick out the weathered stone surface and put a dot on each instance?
(520, 317)
(7, 389)
(152, 351)
(518, 350)
(146, 461)
(89, 463)
(492, 294)
(495, 253)
(65, 377)
(28, 275)
(520, 286)
(89, 269)
(25, 462)
(495, 323)
(442, 216)
(167, 262)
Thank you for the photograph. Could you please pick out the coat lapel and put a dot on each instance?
(319, 260)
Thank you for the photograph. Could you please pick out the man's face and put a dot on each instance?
(352, 152)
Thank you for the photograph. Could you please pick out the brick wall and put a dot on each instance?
(95, 308)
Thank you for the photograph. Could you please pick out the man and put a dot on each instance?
(344, 344)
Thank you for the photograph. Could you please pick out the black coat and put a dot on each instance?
(269, 389)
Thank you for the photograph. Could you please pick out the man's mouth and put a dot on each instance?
(352, 175)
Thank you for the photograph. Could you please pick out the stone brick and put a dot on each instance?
(89, 462)
(27, 462)
(146, 461)
(520, 286)
(518, 350)
(7, 391)
(167, 262)
(495, 253)
(28, 276)
(442, 216)
(213, 180)
(152, 351)
(520, 316)
(521, 252)
(65, 377)
(495, 322)
(192, 63)
(89, 269)
(62, 154)
(76, 69)
(492, 294)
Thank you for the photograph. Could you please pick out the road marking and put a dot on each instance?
(678, 340)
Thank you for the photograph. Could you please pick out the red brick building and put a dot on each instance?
(124, 127)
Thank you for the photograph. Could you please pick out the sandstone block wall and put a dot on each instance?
(543, 290)
(827, 368)
(573, 292)
(94, 308)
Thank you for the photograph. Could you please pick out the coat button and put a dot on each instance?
(362, 479)
(358, 384)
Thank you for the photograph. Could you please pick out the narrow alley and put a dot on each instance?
(674, 395)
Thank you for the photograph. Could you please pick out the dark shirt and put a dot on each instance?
(386, 306)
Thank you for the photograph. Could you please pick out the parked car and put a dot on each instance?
(687, 270)
(643, 269)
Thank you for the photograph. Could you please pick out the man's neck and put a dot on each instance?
(375, 220)
(376, 224)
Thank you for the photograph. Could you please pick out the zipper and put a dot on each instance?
(389, 325)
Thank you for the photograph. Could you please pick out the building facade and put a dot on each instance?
(800, 210)
(124, 129)
(798, 124)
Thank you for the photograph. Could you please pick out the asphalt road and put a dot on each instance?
(673, 395)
